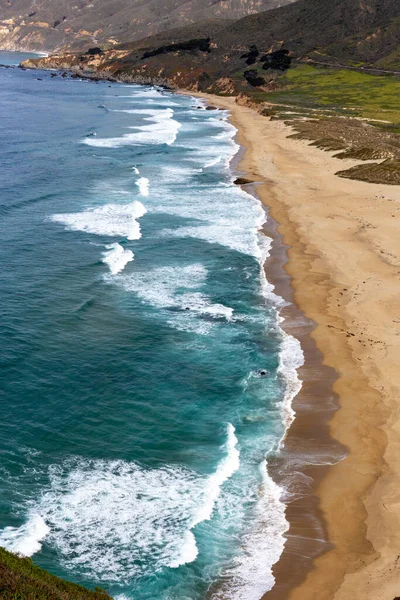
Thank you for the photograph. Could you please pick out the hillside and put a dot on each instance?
(70, 24)
(312, 58)
(20, 579)
(248, 53)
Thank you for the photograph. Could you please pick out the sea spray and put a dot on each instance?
(110, 220)
(27, 539)
(143, 185)
(116, 257)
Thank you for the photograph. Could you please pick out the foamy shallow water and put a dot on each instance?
(138, 319)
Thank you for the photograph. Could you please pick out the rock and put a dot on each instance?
(278, 60)
(54, 75)
(253, 78)
(262, 372)
(251, 55)
(94, 51)
(242, 181)
(210, 107)
(65, 74)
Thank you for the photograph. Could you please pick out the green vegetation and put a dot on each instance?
(20, 579)
(306, 89)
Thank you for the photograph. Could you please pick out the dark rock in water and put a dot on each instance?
(39, 79)
(94, 51)
(54, 75)
(210, 107)
(253, 78)
(65, 74)
(242, 181)
(262, 372)
(75, 76)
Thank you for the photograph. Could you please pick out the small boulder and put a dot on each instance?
(94, 51)
(242, 181)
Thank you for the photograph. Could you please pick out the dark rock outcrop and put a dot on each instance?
(190, 45)
(253, 78)
(278, 60)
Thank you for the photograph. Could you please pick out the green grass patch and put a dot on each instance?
(340, 91)
(20, 579)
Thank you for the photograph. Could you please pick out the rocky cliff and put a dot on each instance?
(51, 25)
(252, 52)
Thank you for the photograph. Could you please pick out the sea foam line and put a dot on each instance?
(143, 185)
(146, 516)
(110, 220)
(251, 576)
(226, 468)
(163, 130)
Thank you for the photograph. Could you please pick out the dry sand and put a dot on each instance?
(344, 262)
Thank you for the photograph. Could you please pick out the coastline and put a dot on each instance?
(343, 265)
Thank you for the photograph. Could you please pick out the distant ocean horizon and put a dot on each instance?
(145, 377)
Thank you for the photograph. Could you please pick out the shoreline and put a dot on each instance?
(297, 469)
(301, 465)
(343, 262)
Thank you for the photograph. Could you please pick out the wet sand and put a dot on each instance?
(344, 263)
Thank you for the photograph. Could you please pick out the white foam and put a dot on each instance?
(250, 576)
(164, 130)
(110, 220)
(143, 185)
(117, 257)
(177, 288)
(226, 468)
(25, 540)
(213, 162)
(114, 520)
(223, 215)
(140, 92)
(291, 358)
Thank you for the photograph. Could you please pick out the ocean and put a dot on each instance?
(145, 379)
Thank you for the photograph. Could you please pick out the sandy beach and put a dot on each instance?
(343, 241)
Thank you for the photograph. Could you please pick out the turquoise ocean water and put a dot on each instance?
(144, 377)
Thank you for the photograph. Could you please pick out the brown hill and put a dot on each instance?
(227, 56)
(77, 24)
